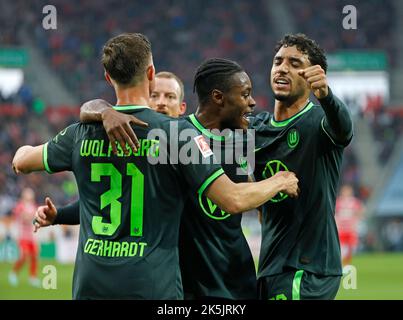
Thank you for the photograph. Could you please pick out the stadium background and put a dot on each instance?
(45, 75)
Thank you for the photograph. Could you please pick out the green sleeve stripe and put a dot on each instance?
(296, 285)
(210, 179)
(45, 158)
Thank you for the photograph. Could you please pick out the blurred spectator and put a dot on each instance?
(349, 212)
(23, 214)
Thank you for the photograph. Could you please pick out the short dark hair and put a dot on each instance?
(170, 75)
(126, 57)
(214, 74)
(316, 55)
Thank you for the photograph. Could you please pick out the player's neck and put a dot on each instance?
(208, 119)
(284, 110)
(138, 96)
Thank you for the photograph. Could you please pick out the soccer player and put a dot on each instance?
(349, 212)
(167, 97)
(130, 206)
(23, 214)
(216, 261)
(300, 252)
(168, 94)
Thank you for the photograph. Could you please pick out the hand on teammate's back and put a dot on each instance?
(117, 124)
(118, 128)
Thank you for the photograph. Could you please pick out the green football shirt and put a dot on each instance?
(130, 207)
(300, 233)
(215, 257)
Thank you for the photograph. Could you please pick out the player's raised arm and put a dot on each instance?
(240, 197)
(28, 159)
(117, 125)
(337, 123)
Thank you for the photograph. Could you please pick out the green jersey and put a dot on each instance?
(301, 233)
(215, 257)
(130, 206)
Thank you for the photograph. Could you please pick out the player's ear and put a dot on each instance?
(151, 78)
(108, 78)
(217, 96)
(150, 72)
(182, 108)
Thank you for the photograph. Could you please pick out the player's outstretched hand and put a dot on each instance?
(45, 215)
(316, 78)
(289, 182)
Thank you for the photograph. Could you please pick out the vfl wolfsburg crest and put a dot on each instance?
(211, 209)
(272, 167)
(292, 138)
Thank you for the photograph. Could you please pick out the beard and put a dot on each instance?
(287, 97)
(282, 96)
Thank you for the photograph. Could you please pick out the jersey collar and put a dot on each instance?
(129, 107)
(283, 123)
(206, 131)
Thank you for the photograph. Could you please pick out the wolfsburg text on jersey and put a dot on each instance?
(184, 147)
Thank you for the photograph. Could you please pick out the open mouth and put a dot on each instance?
(281, 82)
(246, 116)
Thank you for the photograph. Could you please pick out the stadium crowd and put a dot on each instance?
(20, 124)
(187, 32)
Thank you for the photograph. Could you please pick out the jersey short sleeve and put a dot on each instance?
(57, 153)
(197, 161)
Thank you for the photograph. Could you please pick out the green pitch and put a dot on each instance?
(378, 277)
(25, 291)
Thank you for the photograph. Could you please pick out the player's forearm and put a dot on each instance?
(93, 110)
(338, 123)
(28, 159)
(69, 214)
(252, 195)
(236, 198)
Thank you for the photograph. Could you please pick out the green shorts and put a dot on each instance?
(298, 285)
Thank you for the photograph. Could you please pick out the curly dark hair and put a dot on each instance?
(316, 55)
